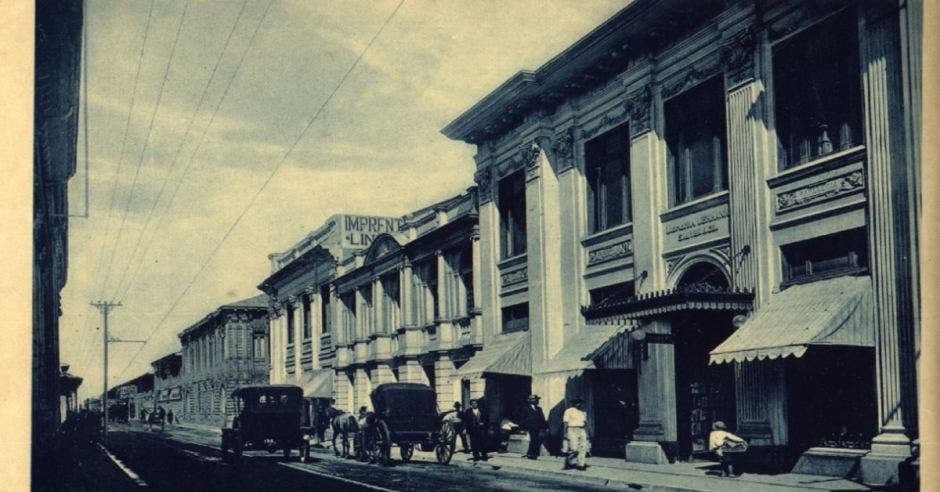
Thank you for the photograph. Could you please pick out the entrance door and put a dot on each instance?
(615, 410)
(704, 393)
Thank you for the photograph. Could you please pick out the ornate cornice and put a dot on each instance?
(484, 181)
(692, 76)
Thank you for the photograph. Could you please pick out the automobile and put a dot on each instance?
(406, 415)
(266, 418)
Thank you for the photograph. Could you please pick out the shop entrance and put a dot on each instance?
(831, 398)
(615, 410)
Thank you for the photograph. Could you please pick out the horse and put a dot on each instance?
(343, 423)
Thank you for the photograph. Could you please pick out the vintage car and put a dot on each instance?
(406, 414)
(265, 418)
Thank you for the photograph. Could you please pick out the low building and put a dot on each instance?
(136, 396)
(167, 384)
(68, 392)
(225, 350)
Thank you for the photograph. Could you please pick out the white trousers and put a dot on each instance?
(577, 446)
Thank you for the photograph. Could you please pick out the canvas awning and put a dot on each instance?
(836, 311)
(318, 383)
(503, 354)
(596, 346)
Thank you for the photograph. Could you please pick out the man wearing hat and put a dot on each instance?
(531, 419)
(575, 420)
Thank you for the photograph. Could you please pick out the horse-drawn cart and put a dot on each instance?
(406, 415)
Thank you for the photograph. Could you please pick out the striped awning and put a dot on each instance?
(510, 353)
(836, 311)
(595, 346)
(318, 383)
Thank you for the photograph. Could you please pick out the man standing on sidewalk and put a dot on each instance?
(576, 434)
(475, 422)
(531, 419)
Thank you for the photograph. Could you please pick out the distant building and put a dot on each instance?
(167, 381)
(225, 350)
(136, 395)
(68, 392)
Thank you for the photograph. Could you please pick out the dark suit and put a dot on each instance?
(531, 419)
(476, 423)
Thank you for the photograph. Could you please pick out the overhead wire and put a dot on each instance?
(202, 137)
(179, 148)
(264, 185)
(127, 122)
(143, 152)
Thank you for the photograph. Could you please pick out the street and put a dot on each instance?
(186, 459)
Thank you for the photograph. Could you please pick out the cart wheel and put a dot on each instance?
(406, 450)
(381, 444)
(444, 450)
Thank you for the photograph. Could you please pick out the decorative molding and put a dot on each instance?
(820, 191)
(637, 107)
(562, 145)
(692, 76)
(608, 253)
(292, 300)
(609, 120)
(310, 289)
(514, 277)
(529, 154)
(737, 55)
(484, 181)
(672, 263)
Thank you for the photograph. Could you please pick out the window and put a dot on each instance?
(391, 304)
(607, 169)
(512, 215)
(259, 349)
(307, 321)
(612, 293)
(817, 98)
(324, 309)
(290, 323)
(516, 318)
(466, 278)
(825, 257)
(349, 315)
(431, 282)
(365, 311)
(695, 136)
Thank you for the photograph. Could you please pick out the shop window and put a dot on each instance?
(307, 321)
(325, 309)
(817, 98)
(290, 324)
(695, 137)
(607, 169)
(512, 215)
(516, 318)
(829, 256)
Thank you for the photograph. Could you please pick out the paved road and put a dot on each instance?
(190, 460)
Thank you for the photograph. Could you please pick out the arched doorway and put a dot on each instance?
(704, 393)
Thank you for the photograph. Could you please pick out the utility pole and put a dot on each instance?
(105, 307)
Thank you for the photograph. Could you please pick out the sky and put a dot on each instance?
(220, 132)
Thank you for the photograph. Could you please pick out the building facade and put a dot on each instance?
(692, 214)
(406, 310)
(68, 391)
(136, 396)
(167, 383)
(303, 304)
(225, 350)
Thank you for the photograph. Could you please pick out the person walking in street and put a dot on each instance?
(575, 421)
(531, 419)
(475, 422)
(169, 416)
(726, 446)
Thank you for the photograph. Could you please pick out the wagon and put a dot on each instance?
(406, 415)
(266, 418)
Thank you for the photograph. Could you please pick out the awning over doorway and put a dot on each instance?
(318, 383)
(830, 312)
(503, 354)
(596, 346)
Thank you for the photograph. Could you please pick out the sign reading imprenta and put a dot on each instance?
(359, 231)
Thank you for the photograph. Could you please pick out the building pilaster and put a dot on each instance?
(656, 380)
(443, 381)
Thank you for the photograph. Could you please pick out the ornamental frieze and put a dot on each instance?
(608, 253)
(514, 277)
(609, 120)
(821, 191)
(737, 55)
(692, 76)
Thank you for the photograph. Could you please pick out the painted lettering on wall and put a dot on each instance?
(697, 226)
(360, 230)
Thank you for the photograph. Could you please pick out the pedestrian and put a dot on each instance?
(531, 418)
(169, 416)
(454, 418)
(726, 446)
(323, 420)
(475, 421)
(575, 421)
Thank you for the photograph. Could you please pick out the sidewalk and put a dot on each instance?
(684, 476)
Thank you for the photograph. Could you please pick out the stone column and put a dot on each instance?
(442, 290)
(379, 321)
(487, 275)
(361, 388)
(411, 372)
(656, 378)
(313, 297)
(476, 320)
(443, 381)
(404, 293)
(343, 391)
(382, 373)
(889, 233)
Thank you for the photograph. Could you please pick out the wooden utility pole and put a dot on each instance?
(105, 307)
